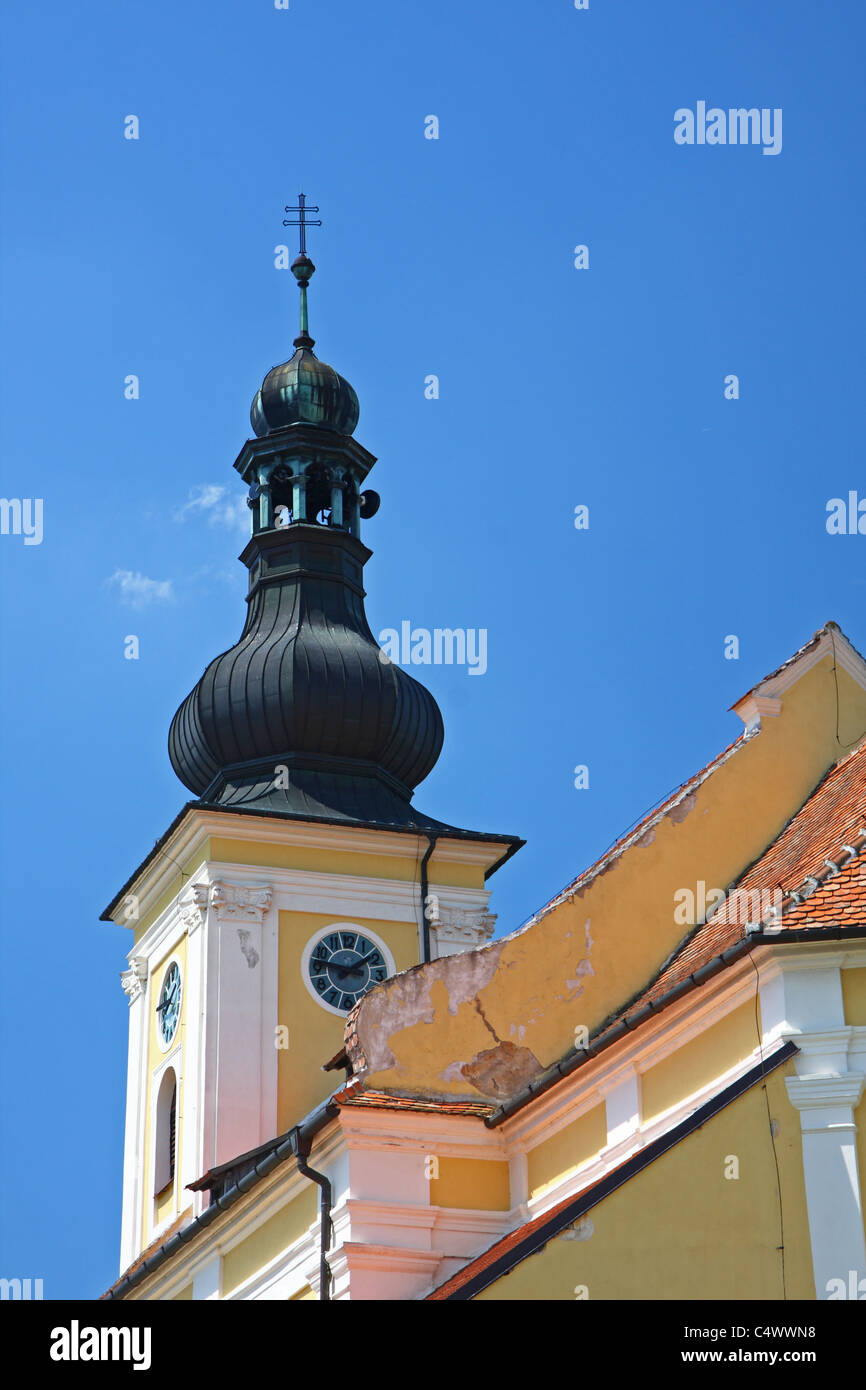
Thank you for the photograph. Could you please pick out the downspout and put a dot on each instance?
(425, 923)
(301, 1145)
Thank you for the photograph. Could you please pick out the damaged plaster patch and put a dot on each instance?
(583, 967)
(581, 1229)
(682, 808)
(647, 839)
(406, 999)
(249, 953)
(501, 1071)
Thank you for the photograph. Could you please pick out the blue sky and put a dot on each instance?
(558, 387)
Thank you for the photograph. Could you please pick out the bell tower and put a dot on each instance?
(301, 875)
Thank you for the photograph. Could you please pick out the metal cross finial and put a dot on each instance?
(302, 220)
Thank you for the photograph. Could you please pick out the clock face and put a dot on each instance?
(343, 965)
(168, 1008)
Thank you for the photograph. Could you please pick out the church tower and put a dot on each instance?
(301, 875)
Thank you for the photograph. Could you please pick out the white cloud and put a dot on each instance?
(220, 508)
(138, 591)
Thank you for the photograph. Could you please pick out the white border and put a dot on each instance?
(314, 941)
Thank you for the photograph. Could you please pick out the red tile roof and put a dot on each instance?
(354, 1096)
(826, 834)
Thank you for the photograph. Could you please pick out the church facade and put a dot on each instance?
(339, 1087)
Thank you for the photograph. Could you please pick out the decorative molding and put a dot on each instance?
(238, 902)
(134, 979)
(753, 708)
(194, 907)
(455, 929)
(153, 879)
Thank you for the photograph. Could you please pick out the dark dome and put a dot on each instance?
(307, 687)
(304, 391)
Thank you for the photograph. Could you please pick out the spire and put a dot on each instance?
(302, 716)
(304, 390)
(302, 267)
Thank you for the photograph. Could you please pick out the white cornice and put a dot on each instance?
(152, 881)
(452, 1136)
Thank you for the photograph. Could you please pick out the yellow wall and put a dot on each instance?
(337, 861)
(156, 1212)
(586, 958)
(479, 1184)
(700, 1061)
(314, 1035)
(572, 1146)
(681, 1230)
(854, 996)
(183, 1295)
(274, 1235)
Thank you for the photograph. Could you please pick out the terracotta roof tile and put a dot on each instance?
(824, 832)
(354, 1096)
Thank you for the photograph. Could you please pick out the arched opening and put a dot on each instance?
(166, 1132)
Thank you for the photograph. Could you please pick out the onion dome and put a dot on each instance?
(305, 714)
(304, 390)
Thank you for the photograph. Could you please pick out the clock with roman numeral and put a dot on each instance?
(341, 964)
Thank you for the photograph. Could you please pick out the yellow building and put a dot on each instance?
(340, 1087)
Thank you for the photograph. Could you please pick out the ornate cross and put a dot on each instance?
(302, 220)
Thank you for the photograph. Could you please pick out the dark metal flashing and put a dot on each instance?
(614, 1029)
(288, 1146)
(424, 885)
(224, 1175)
(339, 1059)
(608, 1184)
(448, 832)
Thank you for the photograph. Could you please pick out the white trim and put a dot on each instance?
(207, 1283)
(150, 883)
(173, 1060)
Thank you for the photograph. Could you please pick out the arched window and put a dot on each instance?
(166, 1131)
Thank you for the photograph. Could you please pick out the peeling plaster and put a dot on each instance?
(682, 808)
(581, 1229)
(249, 953)
(406, 999)
(583, 967)
(502, 1071)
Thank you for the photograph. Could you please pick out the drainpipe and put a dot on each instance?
(301, 1145)
(425, 925)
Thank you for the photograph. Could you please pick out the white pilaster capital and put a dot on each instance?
(194, 906)
(238, 902)
(133, 980)
(457, 929)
